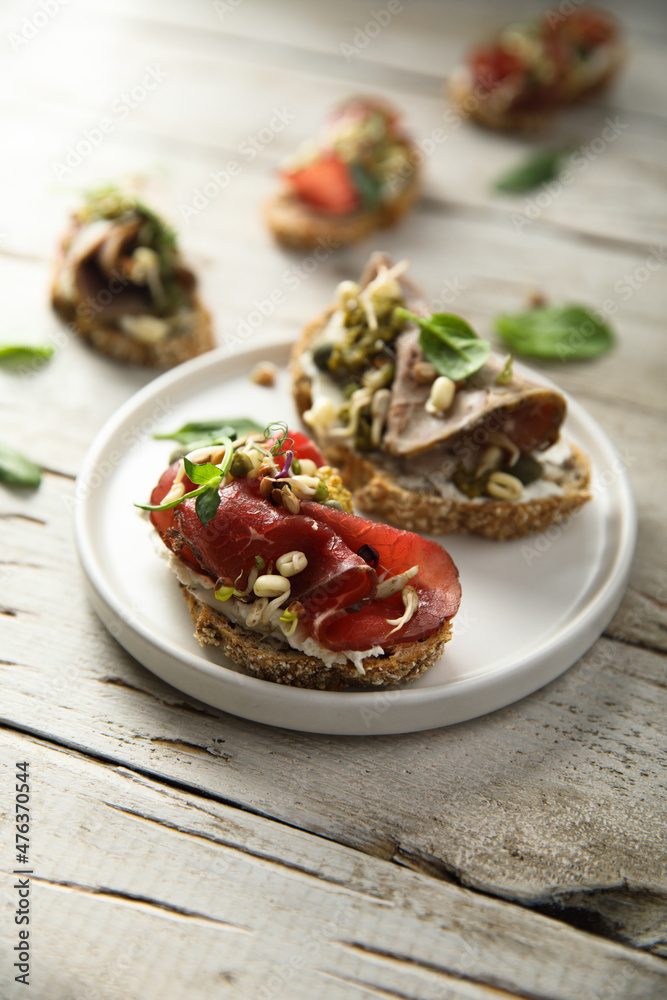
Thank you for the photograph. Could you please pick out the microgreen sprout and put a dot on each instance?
(288, 622)
(283, 440)
(286, 467)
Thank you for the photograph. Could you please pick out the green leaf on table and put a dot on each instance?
(17, 470)
(449, 343)
(23, 356)
(209, 431)
(536, 169)
(556, 333)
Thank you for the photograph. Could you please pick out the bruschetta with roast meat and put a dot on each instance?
(430, 428)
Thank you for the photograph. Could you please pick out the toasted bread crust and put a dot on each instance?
(375, 493)
(295, 225)
(501, 520)
(271, 660)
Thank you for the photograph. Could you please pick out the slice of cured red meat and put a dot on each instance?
(437, 582)
(338, 586)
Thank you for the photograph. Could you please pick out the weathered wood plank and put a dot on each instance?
(558, 800)
(202, 899)
(617, 188)
(553, 796)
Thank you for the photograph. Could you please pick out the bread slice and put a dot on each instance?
(375, 491)
(115, 343)
(297, 226)
(375, 479)
(273, 660)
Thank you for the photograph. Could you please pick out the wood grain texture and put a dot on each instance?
(556, 797)
(331, 922)
(183, 852)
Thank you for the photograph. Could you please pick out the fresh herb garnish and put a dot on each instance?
(203, 432)
(536, 169)
(23, 356)
(556, 333)
(207, 503)
(449, 343)
(111, 202)
(203, 474)
(282, 441)
(368, 187)
(208, 477)
(17, 470)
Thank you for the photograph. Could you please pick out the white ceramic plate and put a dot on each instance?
(530, 608)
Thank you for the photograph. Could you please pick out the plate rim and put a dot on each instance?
(518, 679)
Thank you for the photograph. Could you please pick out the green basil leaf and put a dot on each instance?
(23, 356)
(17, 470)
(536, 169)
(450, 344)
(206, 505)
(556, 333)
(205, 474)
(208, 431)
(368, 188)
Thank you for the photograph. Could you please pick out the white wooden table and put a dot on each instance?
(181, 852)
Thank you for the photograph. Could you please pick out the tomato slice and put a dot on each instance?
(302, 447)
(491, 66)
(587, 28)
(325, 184)
(565, 38)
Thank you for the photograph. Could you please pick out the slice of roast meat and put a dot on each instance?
(530, 415)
